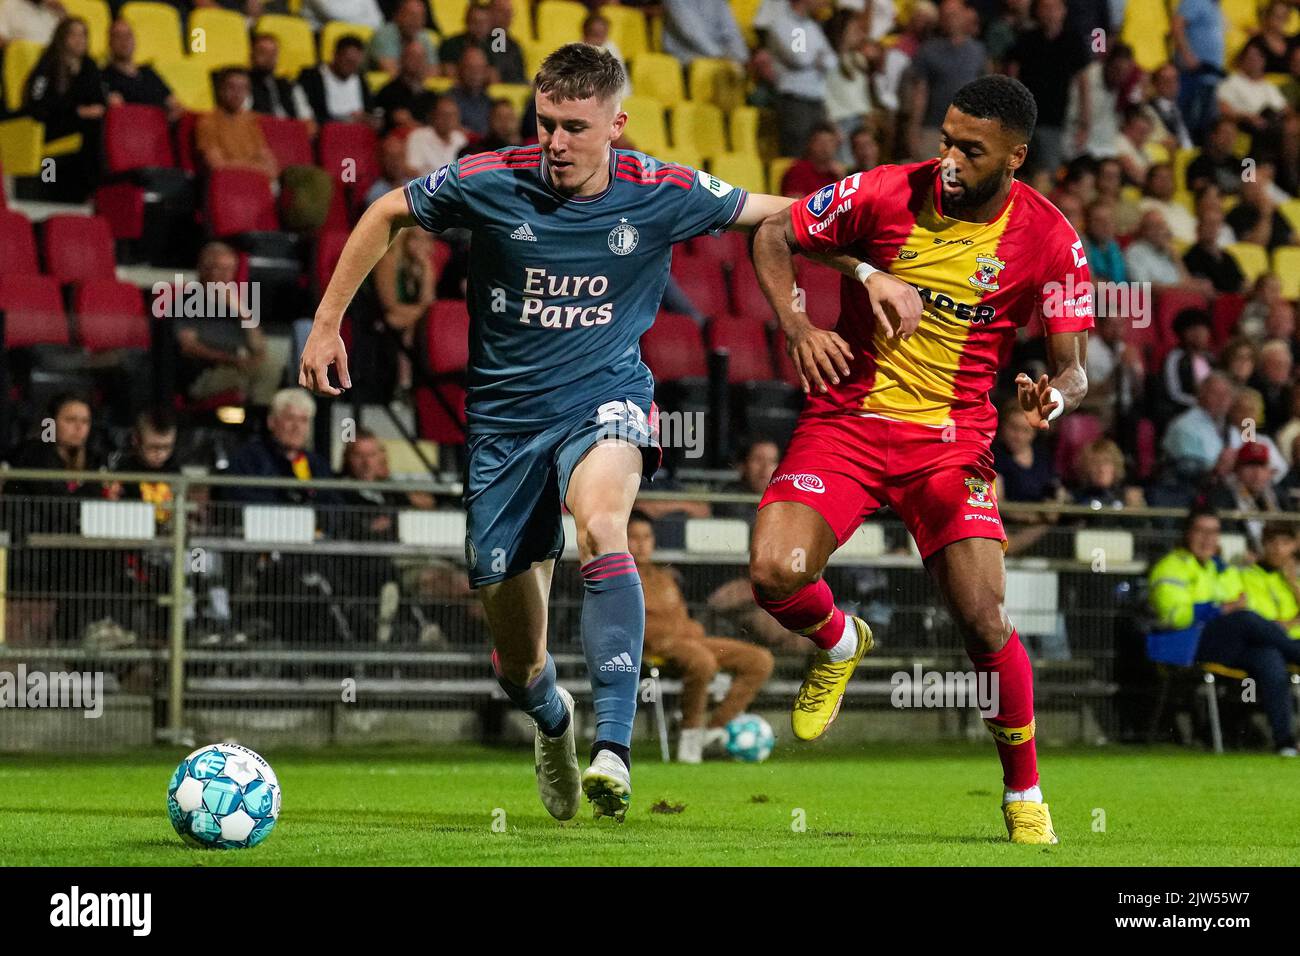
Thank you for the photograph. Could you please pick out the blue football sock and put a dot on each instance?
(540, 700)
(613, 628)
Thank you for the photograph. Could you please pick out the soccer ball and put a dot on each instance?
(223, 797)
(750, 738)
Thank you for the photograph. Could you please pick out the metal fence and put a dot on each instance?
(205, 617)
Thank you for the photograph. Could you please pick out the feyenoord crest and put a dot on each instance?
(986, 276)
(979, 493)
(623, 238)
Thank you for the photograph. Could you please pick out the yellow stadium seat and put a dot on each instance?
(1286, 264)
(1228, 202)
(20, 57)
(716, 81)
(335, 30)
(23, 146)
(684, 155)
(1241, 147)
(297, 45)
(658, 75)
(740, 169)
(700, 127)
(439, 84)
(190, 82)
(157, 29)
(98, 18)
(377, 80)
(534, 53)
(1146, 28)
(776, 170)
(1182, 159)
(559, 22)
(744, 124)
(744, 11)
(646, 126)
(1290, 210)
(449, 15)
(224, 40)
(1243, 14)
(1156, 152)
(627, 28)
(1251, 259)
(517, 93)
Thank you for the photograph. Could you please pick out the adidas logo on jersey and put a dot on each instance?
(524, 232)
(621, 663)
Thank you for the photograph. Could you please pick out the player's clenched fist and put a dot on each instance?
(896, 303)
(324, 348)
(816, 352)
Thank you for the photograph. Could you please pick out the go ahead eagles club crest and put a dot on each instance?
(986, 276)
(979, 493)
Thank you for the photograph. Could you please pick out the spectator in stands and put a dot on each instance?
(1272, 379)
(1072, 208)
(1152, 258)
(274, 95)
(1270, 583)
(404, 99)
(756, 465)
(800, 68)
(1206, 259)
(1201, 613)
(503, 129)
(223, 353)
(1116, 374)
(1189, 363)
(1280, 324)
(1249, 488)
(1197, 29)
(481, 25)
(942, 65)
(65, 93)
(1272, 41)
(1195, 443)
(595, 32)
(1250, 100)
(1001, 32)
(886, 70)
(394, 173)
(1170, 128)
(437, 144)
(702, 28)
(673, 635)
(389, 42)
(230, 136)
(283, 452)
(1288, 489)
(319, 12)
(1105, 257)
(1024, 474)
(1158, 194)
(1130, 144)
(1237, 360)
(1101, 478)
(470, 91)
(922, 22)
(818, 167)
(1109, 181)
(125, 82)
(1285, 436)
(1046, 58)
(1209, 202)
(864, 149)
(1247, 422)
(1092, 116)
(404, 282)
(1265, 301)
(1257, 218)
(28, 20)
(62, 443)
(337, 90)
(1216, 164)
(848, 85)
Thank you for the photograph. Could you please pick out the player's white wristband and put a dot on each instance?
(864, 270)
(1059, 410)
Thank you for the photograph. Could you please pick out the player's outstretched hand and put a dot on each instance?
(1035, 399)
(816, 352)
(896, 303)
(324, 348)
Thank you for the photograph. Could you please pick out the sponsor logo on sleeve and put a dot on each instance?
(714, 185)
(821, 200)
(434, 180)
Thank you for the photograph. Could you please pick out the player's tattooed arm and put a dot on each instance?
(1066, 353)
(365, 246)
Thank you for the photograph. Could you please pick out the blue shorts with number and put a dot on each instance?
(518, 481)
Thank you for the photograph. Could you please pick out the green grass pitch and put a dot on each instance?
(869, 805)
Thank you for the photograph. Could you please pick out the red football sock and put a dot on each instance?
(1013, 726)
(810, 611)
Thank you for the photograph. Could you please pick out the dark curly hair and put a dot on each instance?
(1002, 98)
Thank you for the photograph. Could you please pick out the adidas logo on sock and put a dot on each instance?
(621, 663)
(524, 232)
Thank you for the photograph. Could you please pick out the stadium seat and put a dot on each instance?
(1146, 30)
(354, 144)
(297, 45)
(682, 156)
(646, 125)
(79, 248)
(335, 30)
(739, 169)
(136, 137)
(1114, 544)
(98, 18)
(447, 337)
(747, 297)
(239, 201)
(440, 398)
(190, 82)
(746, 344)
(559, 22)
(185, 145)
(776, 172)
(1251, 259)
(157, 29)
(716, 81)
(1286, 264)
(1290, 211)
(4, 200)
(33, 311)
(703, 282)
(745, 11)
(1167, 306)
(657, 75)
(673, 348)
(627, 28)
(449, 15)
(110, 315)
(1073, 434)
(224, 40)
(329, 246)
(726, 249)
(744, 127)
(288, 140)
(784, 366)
(1227, 310)
(20, 57)
(699, 127)
(17, 244)
(821, 288)
(517, 93)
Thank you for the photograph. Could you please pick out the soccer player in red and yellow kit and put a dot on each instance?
(898, 411)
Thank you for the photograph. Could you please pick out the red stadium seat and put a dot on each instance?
(17, 244)
(1073, 434)
(355, 145)
(136, 137)
(288, 140)
(702, 281)
(440, 402)
(239, 201)
(674, 349)
(3, 199)
(726, 249)
(441, 256)
(1167, 306)
(448, 337)
(79, 248)
(1227, 310)
(111, 315)
(329, 246)
(33, 311)
(185, 147)
(440, 412)
(746, 344)
(821, 288)
(747, 297)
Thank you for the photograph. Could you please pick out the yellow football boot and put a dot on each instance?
(822, 692)
(1028, 822)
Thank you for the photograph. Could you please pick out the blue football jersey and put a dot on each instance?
(562, 288)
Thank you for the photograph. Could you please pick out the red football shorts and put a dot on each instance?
(845, 467)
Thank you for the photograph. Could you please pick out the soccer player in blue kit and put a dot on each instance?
(570, 247)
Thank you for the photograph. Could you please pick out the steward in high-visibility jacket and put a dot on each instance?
(1270, 592)
(1187, 589)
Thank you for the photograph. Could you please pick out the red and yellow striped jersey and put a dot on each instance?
(979, 282)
